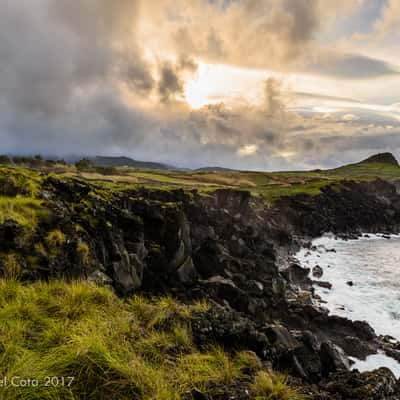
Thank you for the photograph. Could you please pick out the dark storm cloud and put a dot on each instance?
(74, 78)
(95, 124)
(171, 83)
(52, 51)
(61, 63)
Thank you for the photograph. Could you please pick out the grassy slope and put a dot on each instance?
(114, 349)
(19, 187)
(270, 185)
(19, 192)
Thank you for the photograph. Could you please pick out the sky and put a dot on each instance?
(246, 84)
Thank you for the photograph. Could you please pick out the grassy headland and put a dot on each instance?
(132, 348)
(270, 185)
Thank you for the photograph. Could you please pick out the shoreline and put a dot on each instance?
(323, 287)
(226, 248)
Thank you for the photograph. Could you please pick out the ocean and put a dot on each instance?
(365, 278)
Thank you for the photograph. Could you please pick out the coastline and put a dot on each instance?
(347, 294)
(226, 248)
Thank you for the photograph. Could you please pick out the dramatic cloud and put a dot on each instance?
(109, 77)
(171, 84)
(273, 34)
(54, 51)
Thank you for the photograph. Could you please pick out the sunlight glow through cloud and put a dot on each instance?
(202, 80)
(247, 150)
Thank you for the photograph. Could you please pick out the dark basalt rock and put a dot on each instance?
(333, 359)
(187, 272)
(323, 284)
(220, 288)
(279, 336)
(376, 385)
(308, 360)
(355, 347)
(233, 330)
(298, 275)
(228, 248)
(317, 271)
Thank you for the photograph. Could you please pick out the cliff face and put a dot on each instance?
(347, 207)
(225, 247)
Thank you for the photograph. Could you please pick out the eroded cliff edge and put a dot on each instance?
(227, 247)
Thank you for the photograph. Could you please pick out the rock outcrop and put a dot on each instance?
(228, 248)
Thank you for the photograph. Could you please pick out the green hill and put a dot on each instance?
(381, 158)
(383, 165)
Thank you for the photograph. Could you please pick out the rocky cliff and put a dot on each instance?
(226, 247)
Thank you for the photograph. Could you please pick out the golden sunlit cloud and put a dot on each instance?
(247, 150)
(216, 83)
(287, 154)
(280, 76)
(195, 93)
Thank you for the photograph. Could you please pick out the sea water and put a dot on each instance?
(365, 278)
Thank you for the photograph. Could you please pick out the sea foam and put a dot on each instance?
(365, 278)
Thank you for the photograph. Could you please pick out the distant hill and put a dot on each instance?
(215, 169)
(381, 158)
(102, 161)
(382, 164)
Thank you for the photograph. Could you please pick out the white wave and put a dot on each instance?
(372, 264)
(376, 361)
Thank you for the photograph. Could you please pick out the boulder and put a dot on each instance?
(307, 356)
(297, 275)
(221, 288)
(355, 347)
(230, 329)
(380, 384)
(317, 271)
(323, 284)
(280, 337)
(333, 358)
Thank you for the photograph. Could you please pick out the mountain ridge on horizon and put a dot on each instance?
(121, 161)
(124, 161)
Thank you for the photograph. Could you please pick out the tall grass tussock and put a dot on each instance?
(111, 348)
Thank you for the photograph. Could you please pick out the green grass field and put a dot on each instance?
(80, 341)
(270, 185)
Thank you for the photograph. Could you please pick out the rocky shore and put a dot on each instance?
(230, 249)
